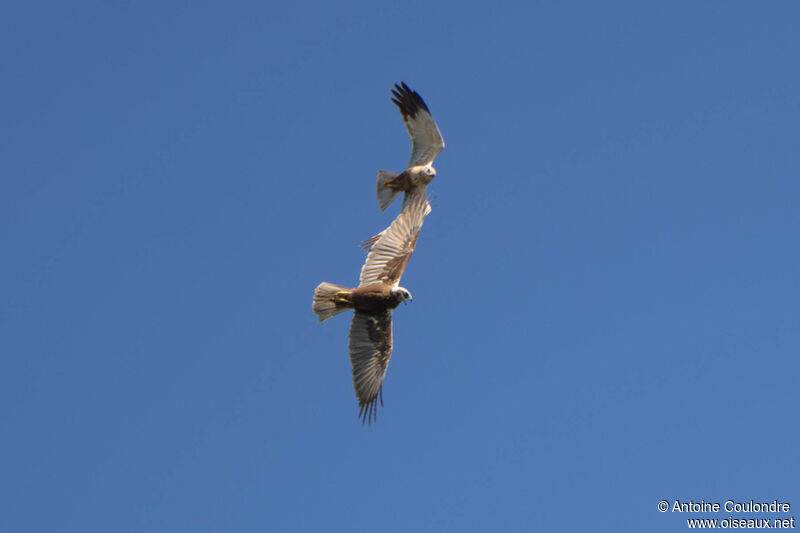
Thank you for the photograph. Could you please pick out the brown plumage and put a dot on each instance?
(377, 295)
(426, 144)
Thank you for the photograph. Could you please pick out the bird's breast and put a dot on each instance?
(374, 298)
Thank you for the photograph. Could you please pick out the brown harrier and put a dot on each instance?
(376, 296)
(426, 144)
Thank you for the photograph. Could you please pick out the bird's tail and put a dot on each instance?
(386, 195)
(330, 300)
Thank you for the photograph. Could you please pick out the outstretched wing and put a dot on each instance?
(370, 350)
(426, 140)
(367, 244)
(390, 250)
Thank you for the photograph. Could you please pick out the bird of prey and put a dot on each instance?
(426, 144)
(377, 295)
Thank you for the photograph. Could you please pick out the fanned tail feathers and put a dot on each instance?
(386, 195)
(325, 304)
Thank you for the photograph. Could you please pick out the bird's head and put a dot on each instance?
(422, 174)
(402, 294)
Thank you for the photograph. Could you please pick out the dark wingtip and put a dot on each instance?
(409, 102)
(368, 412)
(365, 413)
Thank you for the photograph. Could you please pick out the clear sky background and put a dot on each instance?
(605, 295)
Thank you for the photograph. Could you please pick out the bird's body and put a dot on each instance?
(426, 144)
(410, 180)
(330, 299)
(376, 298)
(377, 295)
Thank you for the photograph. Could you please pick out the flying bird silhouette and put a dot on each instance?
(377, 295)
(426, 144)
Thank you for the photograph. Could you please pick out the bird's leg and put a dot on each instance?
(340, 298)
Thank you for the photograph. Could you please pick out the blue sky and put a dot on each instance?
(605, 295)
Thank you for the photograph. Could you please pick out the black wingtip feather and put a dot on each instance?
(409, 102)
(368, 412)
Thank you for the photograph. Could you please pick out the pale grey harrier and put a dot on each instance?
(426, 144)
(376, 296)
